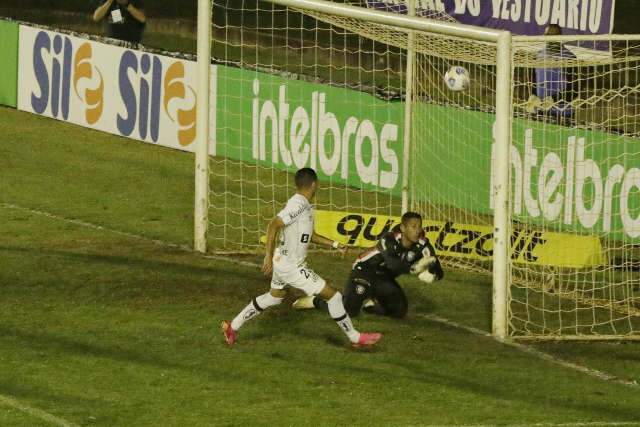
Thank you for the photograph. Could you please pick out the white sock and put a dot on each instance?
(338, 313)
(255, 307)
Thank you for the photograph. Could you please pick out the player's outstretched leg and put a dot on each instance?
(367, 339)
(255, 307)
(228, 332)
(356, 292)
(340, 316)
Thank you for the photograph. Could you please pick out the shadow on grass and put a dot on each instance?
(196, 365)
(239, 272)
(489, 386)
(385, 367)
(64, 344)
(588, 403)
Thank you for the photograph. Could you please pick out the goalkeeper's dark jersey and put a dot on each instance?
(388, 257)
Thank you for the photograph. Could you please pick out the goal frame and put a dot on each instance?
(502, 130)
(201, 208)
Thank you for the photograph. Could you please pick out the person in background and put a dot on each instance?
(123, 19)
(554, 83)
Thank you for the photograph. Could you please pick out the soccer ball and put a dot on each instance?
(427, 277)
(457, 78)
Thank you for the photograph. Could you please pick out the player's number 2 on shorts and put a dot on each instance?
(305, 273)
(304, 238)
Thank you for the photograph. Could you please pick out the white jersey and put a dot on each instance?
(297, 216)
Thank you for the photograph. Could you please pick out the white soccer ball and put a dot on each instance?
(427, 277)
(457, 78)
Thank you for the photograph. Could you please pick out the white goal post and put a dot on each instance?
(201, 208)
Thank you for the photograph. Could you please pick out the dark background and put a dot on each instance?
(626, 14)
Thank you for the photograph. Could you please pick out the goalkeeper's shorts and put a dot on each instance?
(297, 276)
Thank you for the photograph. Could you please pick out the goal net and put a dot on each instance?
(301, 88)
(575, 182)
(365, 104)
(294, 92)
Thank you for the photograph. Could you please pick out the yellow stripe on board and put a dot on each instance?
(467, 241)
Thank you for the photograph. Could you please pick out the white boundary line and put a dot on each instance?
(588, 424)
(93, 226)
(35, 412)
(535, 352)
(521, 347)
(123, 233)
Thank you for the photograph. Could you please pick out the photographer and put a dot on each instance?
(123, 19)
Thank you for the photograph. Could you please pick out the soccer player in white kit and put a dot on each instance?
(288, 267)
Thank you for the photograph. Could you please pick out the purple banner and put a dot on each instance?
(527, 17)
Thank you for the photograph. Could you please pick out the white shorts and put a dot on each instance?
(297, 276)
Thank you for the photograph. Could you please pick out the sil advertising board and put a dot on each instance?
(125, 92)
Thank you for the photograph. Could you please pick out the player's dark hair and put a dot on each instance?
(553, 30)
(305, 177)
(410, 215)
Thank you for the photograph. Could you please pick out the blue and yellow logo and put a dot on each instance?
(141, 82)
(54, 66)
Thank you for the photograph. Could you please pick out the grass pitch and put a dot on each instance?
(102, 328)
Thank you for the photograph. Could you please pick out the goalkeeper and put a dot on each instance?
(372, 282)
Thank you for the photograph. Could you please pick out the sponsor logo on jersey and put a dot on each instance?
(293, 215)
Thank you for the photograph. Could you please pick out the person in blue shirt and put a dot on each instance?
(554, 83)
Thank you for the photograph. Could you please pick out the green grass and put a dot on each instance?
(108, 330)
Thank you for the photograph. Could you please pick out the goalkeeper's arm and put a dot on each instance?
(388, 248)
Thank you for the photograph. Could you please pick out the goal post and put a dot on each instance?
(501, 188)
(408, 109)
(201, 176)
